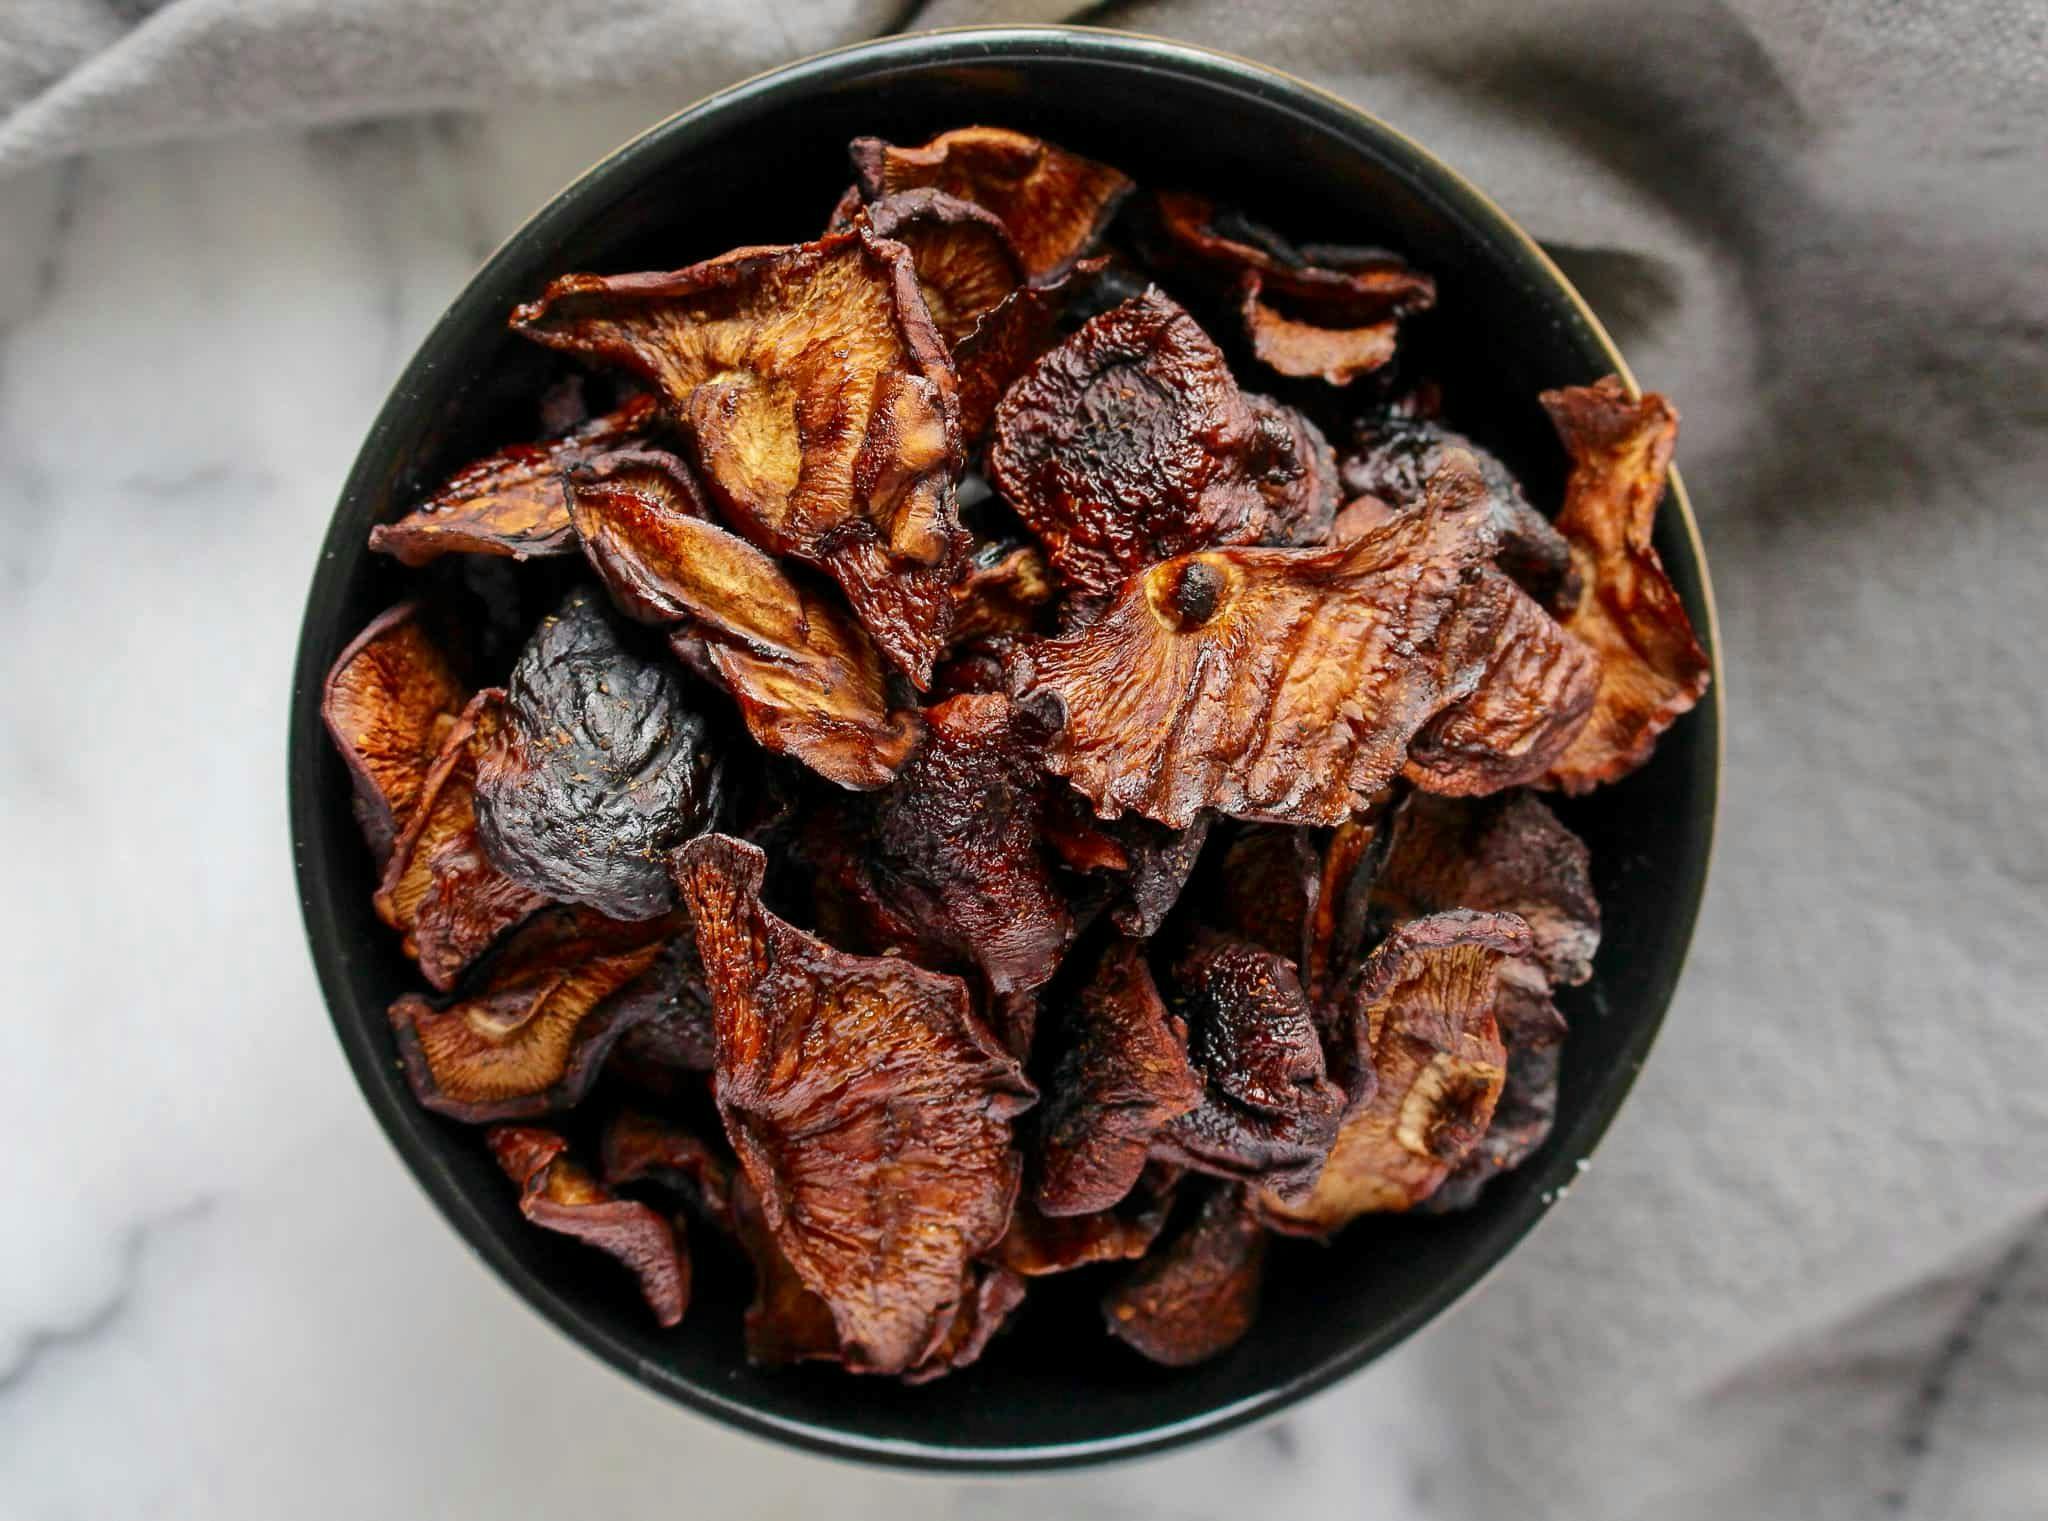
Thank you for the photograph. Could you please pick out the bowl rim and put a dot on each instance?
(1020, 44)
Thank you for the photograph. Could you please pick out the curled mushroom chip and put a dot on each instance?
(639, 1148)
(1274, 684)
(1506, 855)
(1424, 1005)
(1296, 471)
(1157, 864)
(388, 703)
(1328, 283)
(1055, 204)
(1337, 355)
(600, 768)
(441, 890)
(1266, 887)
(558, 1194)
(1037, 1244)
(807, 680)
(1198, 1295)
(989, 1296)
(820, 398)
(1131, 443)
(1122, 1075)
(869, 1106)
(1009, 338)
(1006, 585)
(532, 1032)
(1652, 668)
(1394, 454)
(509, 503)
(1340, 919)
(666, 1015)
(965, 264)
(1532, 1030)
(952, 857)
(1535, 696)
(1269, 1112)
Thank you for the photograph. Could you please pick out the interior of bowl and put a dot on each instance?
(762, 163)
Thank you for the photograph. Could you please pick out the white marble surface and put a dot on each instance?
(220, 1294)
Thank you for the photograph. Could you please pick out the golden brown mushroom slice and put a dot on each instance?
(990, 1294)
(1006, 587)
(1507, 855)
(388, 703)
(1275, 684)
(1533, 1031)
(601, 766)
(1291, 346)
(951, 861)
(1535, 696)
(1197, 1296)
(1122, 1074)
(820, 398)
(441, 890)
(1269, 1112)
(808, 681)
(966, 266)
(509, 503)
(531, 1034)
(1055, 204)
(869, 1107)
(786, 1323)
(558, 1194)
(1130, 443)
(1652, 668)
(1424, 1005)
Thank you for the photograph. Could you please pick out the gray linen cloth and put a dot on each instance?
(1808, 1274)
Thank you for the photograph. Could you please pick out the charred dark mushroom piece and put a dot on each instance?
(1197, 1296)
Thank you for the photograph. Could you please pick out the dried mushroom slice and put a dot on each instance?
(1274, 684)
(1341, 918)
(666, 1012)
(1296, 472)
(965, 264)
(1536, 694)
(808, 681)
(989, 1296)
(1197, 1296)
(1266, 888)
(1157, 864)
(786, 1323)
(530, 1036)
(557, 1194)
(1269, 1112)
(869, 1107)
(1055, 204)
(1424, 1005)
(1533, 1031)
(951, 861)
(1395, 453)
(509, 503)
(639, 1148)
(1291, 346)
(1505, 855)
(1122, 1075)
(1331, 284)
(1009, 339)
(1006, 586)
(1652, 668)
(388, 703)
(441, 890)
(820, 398)
(1037, 1244)
(600, 768)
(1131, 443)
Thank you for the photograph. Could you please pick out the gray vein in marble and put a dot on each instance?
(40, 1344)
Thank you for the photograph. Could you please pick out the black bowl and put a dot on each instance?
(761, 163)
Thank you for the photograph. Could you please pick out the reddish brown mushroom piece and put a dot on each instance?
(1197, 1296)
(808, 681)
(820, 399)
(509, 503)
(558, 1194)
(869, 1107)
(1652, 668)
(1273, 684)
(1053, 203)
